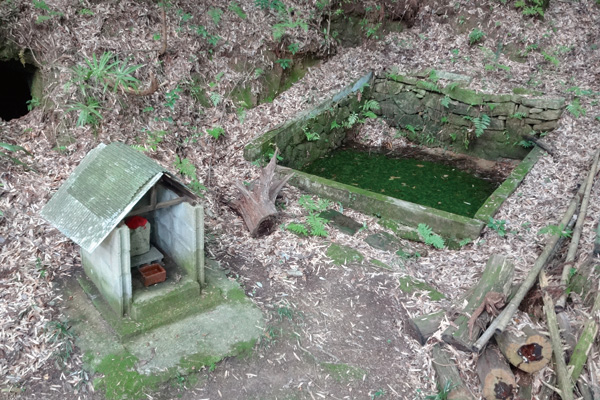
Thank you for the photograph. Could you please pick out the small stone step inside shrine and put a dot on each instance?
(140, 230)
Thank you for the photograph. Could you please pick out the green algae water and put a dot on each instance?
(422, 182)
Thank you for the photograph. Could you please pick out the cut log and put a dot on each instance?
(566, 332)
(421, 328)
(525, 385)
(257, 203)
(497, 380)
(447, 374)
(586, 339)
(563, 377)
(497, 277)
(527, 350)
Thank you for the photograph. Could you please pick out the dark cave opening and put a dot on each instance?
(15, 88)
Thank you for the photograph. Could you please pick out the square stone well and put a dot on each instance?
(447, 116)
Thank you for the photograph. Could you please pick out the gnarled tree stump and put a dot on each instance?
(256, 203)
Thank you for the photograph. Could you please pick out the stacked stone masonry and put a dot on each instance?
(439, 116)
(428, 113)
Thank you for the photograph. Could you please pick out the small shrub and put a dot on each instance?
(531, 7)
(187, 169)
(237, 9)
(311, 136)
(285, 63)
(556, 230)
(576, 109)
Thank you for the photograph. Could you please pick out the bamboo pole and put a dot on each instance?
(564, 280)
(563, 376)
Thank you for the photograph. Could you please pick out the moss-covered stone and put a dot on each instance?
(343, 254)
(410, 285)
(383, 241)
(446, 224)
(493, 203)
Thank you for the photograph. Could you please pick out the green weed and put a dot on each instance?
(216, 132)
(7, 150)
(314, 225)
(556, 230)
(187, 169)
(284, 63)
(498, 226)
(476, 36)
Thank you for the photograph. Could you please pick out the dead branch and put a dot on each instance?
(163, 48)
(497, 277)
(539, 142)
(564, 280)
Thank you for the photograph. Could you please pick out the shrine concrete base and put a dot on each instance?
(226, 324)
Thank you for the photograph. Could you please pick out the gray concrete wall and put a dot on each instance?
(179, 232)
(109, 267)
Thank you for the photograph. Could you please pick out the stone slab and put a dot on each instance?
(341, 222)
(153, 255)
(383, 241)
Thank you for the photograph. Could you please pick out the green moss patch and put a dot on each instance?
(120, 380)
(343, 254)
(236, 294)
(409, 285)
(343, 373)
(376, 263)
(422, 182)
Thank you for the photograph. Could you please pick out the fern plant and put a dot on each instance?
(531, 8)
(430, 238)
(445, 101)
(575, 108)
(480, 123)
(187, 169)
(315, 225)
